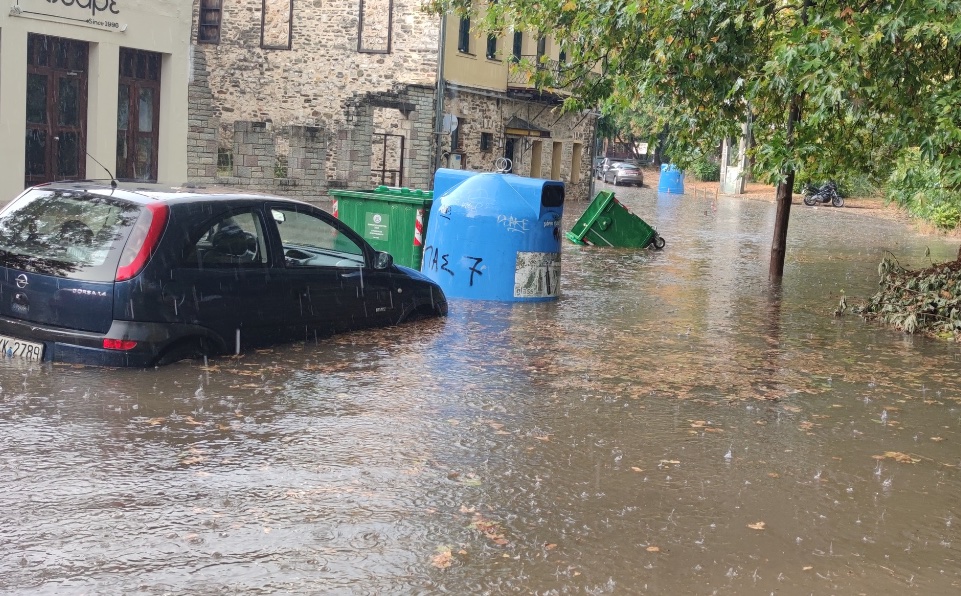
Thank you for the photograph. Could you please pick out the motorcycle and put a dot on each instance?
(826, 193)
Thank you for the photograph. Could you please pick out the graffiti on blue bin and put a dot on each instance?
(435, 261)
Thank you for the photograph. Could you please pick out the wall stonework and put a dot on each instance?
(486, 113)
(322, 82)
(202, 123)
(302, 121)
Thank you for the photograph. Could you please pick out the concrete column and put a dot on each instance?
(102, 88)
(172, 161)
(13, 110)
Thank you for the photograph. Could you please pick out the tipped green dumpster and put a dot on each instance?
(391, 219)
(607, 222)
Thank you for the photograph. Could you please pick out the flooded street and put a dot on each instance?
(671, 425)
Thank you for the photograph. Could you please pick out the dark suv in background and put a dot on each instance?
(99, 275)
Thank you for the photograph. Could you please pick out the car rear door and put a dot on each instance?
(226, 280)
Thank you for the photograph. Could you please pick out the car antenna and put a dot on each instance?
(113, 181)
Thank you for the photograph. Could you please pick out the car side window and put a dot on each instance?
(233, 240)
(309, 241)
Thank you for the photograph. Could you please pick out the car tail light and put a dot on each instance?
(142, 241)
(118, 344)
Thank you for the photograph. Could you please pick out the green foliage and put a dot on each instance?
(917, 185)
(705, 169)
(926, 301)
(866, 80)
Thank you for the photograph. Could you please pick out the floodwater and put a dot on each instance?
(671, 425)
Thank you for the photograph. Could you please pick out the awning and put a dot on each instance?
(522, 128)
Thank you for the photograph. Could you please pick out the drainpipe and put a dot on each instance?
(590, 188)
(441, 90)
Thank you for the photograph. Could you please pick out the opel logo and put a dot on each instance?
(21, 281)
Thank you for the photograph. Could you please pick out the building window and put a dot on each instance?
(56, 115)
(374, 28)
(518, 46)
(276, 29)
(486, 141)
(138, 115)
(492, 47)
(562, 57)
(463, 36)
(208, 21)
(541, 47)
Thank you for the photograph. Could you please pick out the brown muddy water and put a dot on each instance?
(671, 425)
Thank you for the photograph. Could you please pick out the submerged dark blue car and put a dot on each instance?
(98, 275)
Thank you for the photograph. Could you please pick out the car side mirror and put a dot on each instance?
(278, 216)
(383, 260)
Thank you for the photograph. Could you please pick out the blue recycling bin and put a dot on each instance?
(672, 180)
(496, 236)
(447, 178)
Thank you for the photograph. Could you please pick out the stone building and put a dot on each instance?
(298, 98)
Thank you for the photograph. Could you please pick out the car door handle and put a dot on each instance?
(351, 274)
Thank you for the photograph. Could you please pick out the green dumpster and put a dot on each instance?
(607, 222)
(392, 219)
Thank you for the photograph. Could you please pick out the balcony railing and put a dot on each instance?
(521, 73)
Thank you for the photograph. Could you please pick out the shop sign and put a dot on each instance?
(101, 14)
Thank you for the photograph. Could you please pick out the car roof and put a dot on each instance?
(144, 193)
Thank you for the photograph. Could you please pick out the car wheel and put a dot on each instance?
(187, 349)
(615, 179)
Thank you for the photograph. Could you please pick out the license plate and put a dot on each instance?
(12, 347)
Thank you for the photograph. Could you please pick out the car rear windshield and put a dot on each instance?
(70, 234)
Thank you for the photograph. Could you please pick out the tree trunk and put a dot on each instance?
(785, 193)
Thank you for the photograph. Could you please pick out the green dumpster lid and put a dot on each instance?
(387, 193)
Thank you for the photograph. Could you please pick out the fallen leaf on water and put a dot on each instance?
(636, 469)
(899, 457)
(442, 559)
(794, 409)
(550, 546)
(773, 474)
(807, 568)
(937, 439)
(155, 421)
(544, 438)
(653, 549)
(669, 461)
(756, 526)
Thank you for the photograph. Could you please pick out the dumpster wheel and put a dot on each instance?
(658, 242)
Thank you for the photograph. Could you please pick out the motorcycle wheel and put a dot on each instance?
(837, 201)
(810, 200)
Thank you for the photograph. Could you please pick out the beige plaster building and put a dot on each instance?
(87, 81)
(498, 112)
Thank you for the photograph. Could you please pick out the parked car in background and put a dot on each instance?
(623, 172)
(598, 167)
(98, 275)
